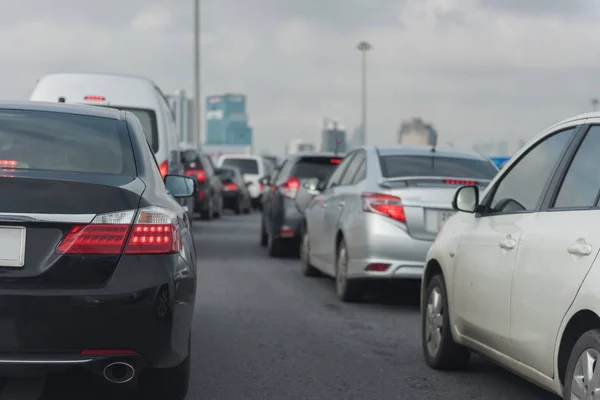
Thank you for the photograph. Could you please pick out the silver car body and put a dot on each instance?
(373, 238)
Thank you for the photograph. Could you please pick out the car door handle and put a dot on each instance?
(580, 249)
(507, 244)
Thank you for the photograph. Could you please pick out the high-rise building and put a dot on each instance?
(417, 133)
(183, 108)
(227, 120)
(333, 138)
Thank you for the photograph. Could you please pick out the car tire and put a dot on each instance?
(238, 207)
(219, 211)
(166, 383)
(275, 246)
(305, 266)
(207, 215)
(440, 350)
(264, 237)
(348, 290)
(587, 345)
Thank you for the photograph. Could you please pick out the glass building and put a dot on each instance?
(227, 120)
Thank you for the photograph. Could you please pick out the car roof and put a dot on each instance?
(402, 150)
(92, 111)
(240, 156)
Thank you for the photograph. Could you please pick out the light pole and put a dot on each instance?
(595, 104)
(197, 101)
(364, 47)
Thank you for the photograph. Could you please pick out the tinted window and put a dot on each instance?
(521, 188)
(336, 176)
(226, 174)
(189, 156)
(361, 173)
(245, 165)
(148, 120)
(315, 167)
(352, 169)
(582, 182)
(452, 167)
(55, 141)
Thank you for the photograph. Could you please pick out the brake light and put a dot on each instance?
(261, 186)
(199, 173)
(384, 204)
(230, 186)
(459, 182)
(335, 160)
(155, 231)
(290, 188)
(94, 98)
(378, 267)
(8, 163)
(164, 169)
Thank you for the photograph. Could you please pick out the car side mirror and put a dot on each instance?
(466, 199)
(180, 186)
(311, 185)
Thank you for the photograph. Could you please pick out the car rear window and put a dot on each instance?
(191, 159)
(315, 167)
(245, 165)
(56, 141)
(226, 174)
(400, 165)
(148, 120)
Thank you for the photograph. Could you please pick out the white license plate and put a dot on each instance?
(12, 246)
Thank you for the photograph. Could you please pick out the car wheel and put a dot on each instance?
(305, 266)
(264, 237)
(207, 215)
(166, 383)
(440, 350)
(584, 364)
(274, 246)
(348, 290)
(238, 207)
(219, 210)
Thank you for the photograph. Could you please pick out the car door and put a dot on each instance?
(555, 255)
(487, 250)
(331, 209)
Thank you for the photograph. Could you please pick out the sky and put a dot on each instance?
(475, 69)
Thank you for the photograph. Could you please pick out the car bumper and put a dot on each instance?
(288, 223)
(142, 314)
(384, 241)
(230, 199)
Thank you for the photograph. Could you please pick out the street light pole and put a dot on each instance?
(364, 47)
(197, 102)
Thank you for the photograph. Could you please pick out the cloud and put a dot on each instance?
(154, 18)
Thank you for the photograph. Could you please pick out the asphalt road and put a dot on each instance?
(264, 332)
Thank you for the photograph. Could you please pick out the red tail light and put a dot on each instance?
(155, 231)
(335, 160)
(199, 173)
(94, 98)
(459, 182)
(261, 186)
(378, 267)
(8, 163)
(384, 204)
(164, 169)
(290, 188)
(229, 186)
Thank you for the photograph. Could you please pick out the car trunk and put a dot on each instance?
(427, 202)
(38, 209)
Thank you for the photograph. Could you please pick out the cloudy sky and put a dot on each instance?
(474, 68)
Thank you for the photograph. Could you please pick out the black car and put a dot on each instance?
(97, 261)
(208, 200)
(236, 196)
(283, 211)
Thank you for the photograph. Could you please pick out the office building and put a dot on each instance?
(417, 133)
(333, 137)
(183, 110)
(227, 120)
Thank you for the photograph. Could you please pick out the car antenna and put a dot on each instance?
(433, 156)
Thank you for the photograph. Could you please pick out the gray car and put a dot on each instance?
(380, 211)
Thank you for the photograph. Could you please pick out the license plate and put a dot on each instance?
(12, 246)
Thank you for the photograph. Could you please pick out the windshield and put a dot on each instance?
(53, 141)
(454, 167)
(148, 120)
(245, 165)
(226, 174)
(315, 167)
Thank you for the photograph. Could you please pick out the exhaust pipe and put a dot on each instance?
(119, 372)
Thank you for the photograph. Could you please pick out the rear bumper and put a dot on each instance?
(230, 199)
(288, 224)
(384, 241)
(143, 314)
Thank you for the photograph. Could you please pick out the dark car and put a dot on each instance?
(208, 201)
(283, 213)
(236, 196)
(97, 261)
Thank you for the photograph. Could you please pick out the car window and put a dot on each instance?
(149, 123)
(337, 175)
(361, 174)
(56, 141)
(284, 173)
(245, 165)
(315, 167)
(582, 181)
(521, 188)
(393, 166)
(226, 174)
(352, 169)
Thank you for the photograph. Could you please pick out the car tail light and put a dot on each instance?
(335, 160)
(8, 163)
(155, 231)
(459, 182)
(199, 173)
(229, 186)
(384, 204)
(261, 186)
(290, 188)
(164, 169)
(378, 267)
(94, 98)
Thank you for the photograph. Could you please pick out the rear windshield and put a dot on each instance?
(148, 120)
(245, 165)
(399, 166)
(227, 174)
(315, 167)
(54, 141)
(190, 159)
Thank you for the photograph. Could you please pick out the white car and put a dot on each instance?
(513, 275)
(253, 168)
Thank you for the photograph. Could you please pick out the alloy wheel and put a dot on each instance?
(586, 377)
(434, 321)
